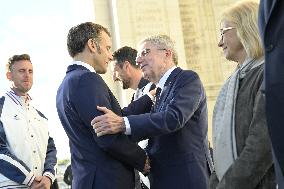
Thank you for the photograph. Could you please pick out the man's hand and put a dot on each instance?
(109, 123)
(42, 182)
(36, 182)
(153, 92)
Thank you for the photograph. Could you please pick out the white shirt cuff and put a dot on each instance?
(49, 175)
(127, 126)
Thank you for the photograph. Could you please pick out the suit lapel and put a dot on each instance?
(167, 88)
(273, 6)
(268, 7)
(265, 9)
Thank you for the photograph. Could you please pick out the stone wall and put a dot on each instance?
(193, 24)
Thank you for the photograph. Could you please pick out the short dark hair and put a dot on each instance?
(16, 58)
(125, 54)
(79, 35)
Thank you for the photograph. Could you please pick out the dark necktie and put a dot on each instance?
(158, 94)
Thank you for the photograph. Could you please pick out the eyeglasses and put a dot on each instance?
(145, 52)
(224, 30)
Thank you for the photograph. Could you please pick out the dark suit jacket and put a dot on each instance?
(177, 131)
(97, 162)
(141, 86)
(271, 25)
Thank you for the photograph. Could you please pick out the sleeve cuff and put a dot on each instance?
(29, 179)
(49, 175)
(127, 126)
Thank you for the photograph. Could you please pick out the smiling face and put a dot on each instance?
(230, 43)
(103, 54)
(151, 61)
(21, 76)
(121, 74)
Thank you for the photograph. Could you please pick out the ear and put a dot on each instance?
(9, 75)
(169, 53)
(126, 65)
(91, 45)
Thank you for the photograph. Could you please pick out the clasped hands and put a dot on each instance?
(41, 182)
(110, 123)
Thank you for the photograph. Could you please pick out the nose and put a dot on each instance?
(28, 74)
(115, 76)
(110, 57)
(138, 61)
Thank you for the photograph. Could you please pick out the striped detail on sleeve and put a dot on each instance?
(15, 171)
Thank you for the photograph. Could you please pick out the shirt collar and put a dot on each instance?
(80, 63)
(163, 80)
(20, 100)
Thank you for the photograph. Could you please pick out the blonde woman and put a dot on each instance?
(242, 149)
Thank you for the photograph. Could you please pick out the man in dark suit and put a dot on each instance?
(271, 25)
(95, 160)
(177, 124)
(128, 73)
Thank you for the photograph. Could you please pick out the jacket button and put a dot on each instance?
(269, 48)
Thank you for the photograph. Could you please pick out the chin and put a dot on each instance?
(101, 71)
(228, 57)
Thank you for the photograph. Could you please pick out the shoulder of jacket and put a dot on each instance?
(91, 76)
(187, 74)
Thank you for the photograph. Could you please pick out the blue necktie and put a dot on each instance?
(158, 94)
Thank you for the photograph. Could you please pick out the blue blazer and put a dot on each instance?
(177, 129)
(271, 25)
(106, 162)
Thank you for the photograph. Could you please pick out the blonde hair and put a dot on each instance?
(244, 15)
(162, 41)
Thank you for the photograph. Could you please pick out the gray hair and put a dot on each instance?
(163, 42)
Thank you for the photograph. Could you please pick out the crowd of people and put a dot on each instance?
(159, 140)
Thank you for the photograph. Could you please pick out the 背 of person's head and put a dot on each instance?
(124, 67)
(156, 55)
(239, 36)
(90, 43)
(20, 73)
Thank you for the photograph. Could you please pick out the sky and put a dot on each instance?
(39, 28)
